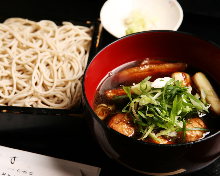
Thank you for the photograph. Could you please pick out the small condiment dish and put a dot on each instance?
(122, 17)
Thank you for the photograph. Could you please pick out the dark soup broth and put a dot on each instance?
(158, 101)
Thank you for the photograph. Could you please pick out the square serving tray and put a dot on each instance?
(23, 118)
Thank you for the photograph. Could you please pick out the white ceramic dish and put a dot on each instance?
(159, 14)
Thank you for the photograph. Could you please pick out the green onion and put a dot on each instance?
(128, 91)
(148, 131)
(162, 110)
(184, 130)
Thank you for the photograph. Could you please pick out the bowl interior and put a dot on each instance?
(169, 45)
(159, 14)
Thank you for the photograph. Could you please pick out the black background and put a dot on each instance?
(72, 140)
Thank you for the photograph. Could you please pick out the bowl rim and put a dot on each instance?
(129, 138)
(175, 28)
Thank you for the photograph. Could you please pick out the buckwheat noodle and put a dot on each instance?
(41, 63)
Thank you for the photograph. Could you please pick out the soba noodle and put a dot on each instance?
(41, 64)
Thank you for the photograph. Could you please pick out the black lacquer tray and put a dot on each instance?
(14, 118)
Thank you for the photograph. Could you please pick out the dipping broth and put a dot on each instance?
(157, 101)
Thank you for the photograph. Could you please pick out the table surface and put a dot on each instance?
(72, 140)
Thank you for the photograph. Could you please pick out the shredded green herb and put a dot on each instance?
(164, 110)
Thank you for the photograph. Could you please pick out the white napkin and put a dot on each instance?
(15, 162)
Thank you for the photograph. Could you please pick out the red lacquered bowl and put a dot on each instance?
(153, 159)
